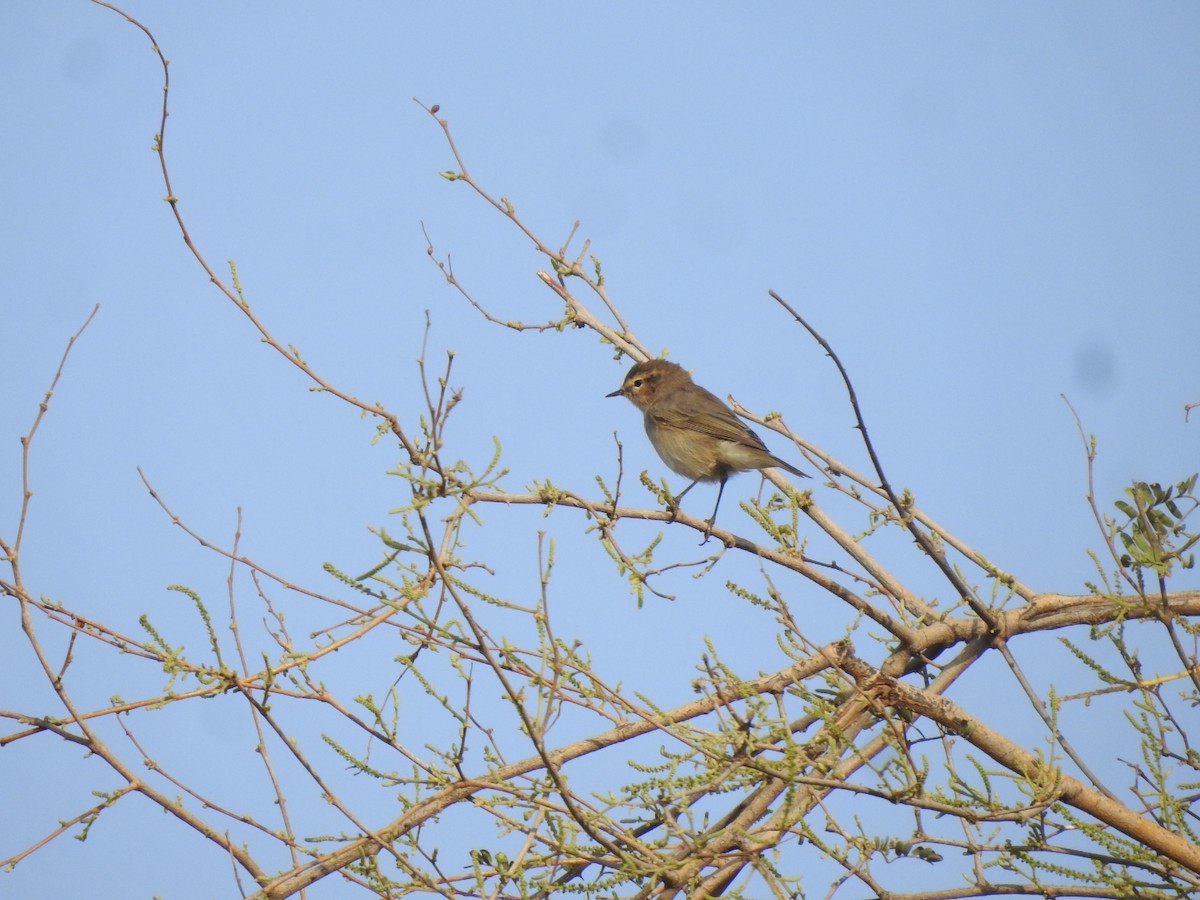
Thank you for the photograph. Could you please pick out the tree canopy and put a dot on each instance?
(921, 753)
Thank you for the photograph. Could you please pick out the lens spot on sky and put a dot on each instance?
(84, 61)
(928, 108)
(1095, 367)
(621, 138)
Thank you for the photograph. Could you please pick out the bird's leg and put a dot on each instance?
(713, 518)
(675, 500)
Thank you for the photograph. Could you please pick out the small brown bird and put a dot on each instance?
(694, 432)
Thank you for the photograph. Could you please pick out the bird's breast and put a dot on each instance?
(692, 454)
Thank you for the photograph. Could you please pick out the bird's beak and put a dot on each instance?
(617, 393)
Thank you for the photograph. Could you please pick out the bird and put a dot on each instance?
(694, 432)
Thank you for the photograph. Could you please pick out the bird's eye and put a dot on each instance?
(638, 383)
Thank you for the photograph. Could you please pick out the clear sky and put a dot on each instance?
(982, 206)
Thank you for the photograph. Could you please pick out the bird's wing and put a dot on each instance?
(722, 424)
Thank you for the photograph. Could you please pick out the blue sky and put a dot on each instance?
(981, 206)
